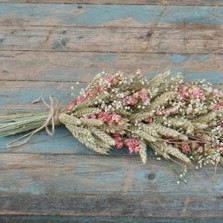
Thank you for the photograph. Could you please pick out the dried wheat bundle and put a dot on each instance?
(179, 120)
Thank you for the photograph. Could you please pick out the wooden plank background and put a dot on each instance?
(49, 46)
(130, 2)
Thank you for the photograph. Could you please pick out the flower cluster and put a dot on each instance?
(177, 119)
(136, 97)
(131, 143)
(197, 97)
(107, 117)
(99, 85)
(118, 140)
(81, 98)
(189, 92)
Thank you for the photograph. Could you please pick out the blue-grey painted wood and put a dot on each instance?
(106, 15)
(129, 2)
(103, 219)
(105, 186)
(40, 174)
(111, 39)
(56, 179)
(62, 142)
(73, 66)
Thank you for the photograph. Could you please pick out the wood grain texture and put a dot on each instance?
(121, 40)
(103, 186)
(46, 47)
(149, 16)
(73, 66)
(129, 2)
(100, 219)
(76, 204)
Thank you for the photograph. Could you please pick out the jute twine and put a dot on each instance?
(52, 120)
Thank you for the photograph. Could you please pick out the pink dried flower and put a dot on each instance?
(132, 144)
(198, 134)
(80, 98)
(90, 93)
(109, 78)
(220, 149)
(70, 105)
(187, 92)
(159, 111)
(92, 116)
(218, 106)
(143, 94)
(136, 94)
(185, 147)
(118, 143)
(76, 101)
(189, 110)
(116, 135)
(220, 123)
(134, 98)
(117, 119)
(149, 120)
(216, 92)
(113, 80)
(182, 91)
(104, 116)
(118, 140)
(110, 118)
(169, 111)
(130, 100)
(102, 88)
(196, 92)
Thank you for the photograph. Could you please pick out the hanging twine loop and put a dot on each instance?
(52, 120)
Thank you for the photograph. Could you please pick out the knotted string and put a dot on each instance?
(52, 120)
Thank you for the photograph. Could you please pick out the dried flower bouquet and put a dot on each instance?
(179, 120)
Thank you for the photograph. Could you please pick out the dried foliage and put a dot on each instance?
(179, 120)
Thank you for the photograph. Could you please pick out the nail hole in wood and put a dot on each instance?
(151, 176)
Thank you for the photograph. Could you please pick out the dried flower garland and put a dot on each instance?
(179, 120)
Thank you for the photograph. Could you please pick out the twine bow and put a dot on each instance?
(52, 120)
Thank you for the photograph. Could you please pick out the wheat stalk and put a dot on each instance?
(142, 151)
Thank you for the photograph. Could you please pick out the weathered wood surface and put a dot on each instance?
(123, 40)
(82, 66)
(82, 186)
(73, 219)
(153, 16)
(129, 2)
(45, 49)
